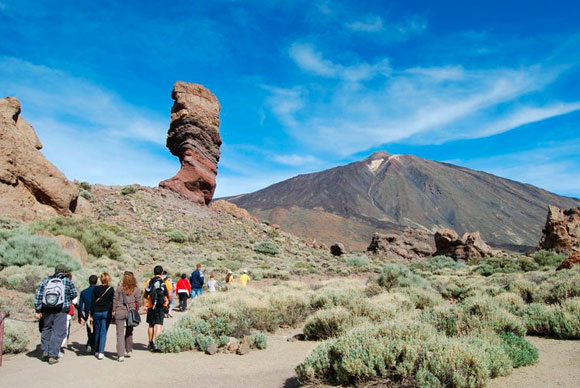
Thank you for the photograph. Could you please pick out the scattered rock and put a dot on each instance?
(211, 349)
(337, 249)
(570, 262)
(412, 244)
(30, 186)
(469, 246)
(194, 138)
(562, 231)
(223, 206)
(244, 347)
(232, 345)
(275, 226)
(296, 337)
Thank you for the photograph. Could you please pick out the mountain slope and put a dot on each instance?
(389, 192)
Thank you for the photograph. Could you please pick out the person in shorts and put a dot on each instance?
(156, 299)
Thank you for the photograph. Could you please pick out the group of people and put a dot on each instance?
(101, 304)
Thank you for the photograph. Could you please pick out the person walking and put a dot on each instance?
(52, 302)
(126, 298)
(101, 313)
(156, 299)
(196, 281)
(167, 277)
(229, 277)
(211, 284)
(183, 291)
(84, 310)
(244, 278)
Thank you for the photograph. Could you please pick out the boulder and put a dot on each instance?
(194, 137)
(233, 345)
(562, 231)
(469, 246)
(337, 249)
(412, 244)
(70, 245)
(211, 349)
(244, 347)
(570, 262)
(31, 187)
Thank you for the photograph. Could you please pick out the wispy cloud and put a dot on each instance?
(310, 60)
(371, 23)
(425, 105)
(387, 30)
(295, 160)
(284, 103)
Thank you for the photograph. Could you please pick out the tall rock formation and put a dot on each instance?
(562, 231)
(194, 137)
(30, 186)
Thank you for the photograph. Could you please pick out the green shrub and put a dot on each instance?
(99, 239)
(87, 195)
(554, 321)
(422, 298)
(223, 341)
(177, 236)
(203, 341)
(357, 262)
(524, 288)
(438, 263)
(85, 186)
(328, 323)
(563, 288)
(488, 267)
(174, 341)
(16, 337)
(373, 289)
(548, 258)
(131, 189)
(25, 278)
(31, 249)
(258, 341)
(520, 351)
(396, 275)
(267, 247)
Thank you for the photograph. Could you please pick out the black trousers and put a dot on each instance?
(183, 301)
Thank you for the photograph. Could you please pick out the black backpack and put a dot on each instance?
(157, 291)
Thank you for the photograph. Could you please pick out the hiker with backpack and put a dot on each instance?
(101, 313)
(84, 310)
(183, 291)
(196, 281)
(156, 299)
(127, 302)
(52, 302)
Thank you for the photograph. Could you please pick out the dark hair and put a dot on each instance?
(183, 276)
(158, 270)
(93, 280)
(164, 272)
(58, 270)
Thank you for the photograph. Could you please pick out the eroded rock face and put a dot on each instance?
(570, 262)
(30, 186)
(469, 246)
(562, 231)
(194, 138)
(412, 244)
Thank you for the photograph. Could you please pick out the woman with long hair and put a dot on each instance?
(101, 313)
(127, 297)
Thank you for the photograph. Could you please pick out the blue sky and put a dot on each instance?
(304, 85)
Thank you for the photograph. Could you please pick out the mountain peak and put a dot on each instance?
(378, 155)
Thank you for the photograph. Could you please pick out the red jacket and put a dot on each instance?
(183, 284)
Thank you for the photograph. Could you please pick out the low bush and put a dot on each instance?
(488, 267)
(520, 351)
(548, 258)
(357, 262)
(175, 340)
(130, 189)
(87, 195)
(397, 275)
(16, 337)
(177, 236)
(25, 278)
(267, 247)
(99, 239)
(328, 323)
(258, 341)
(554, 321)
(31, 249)
(438, 263)
(85, 186)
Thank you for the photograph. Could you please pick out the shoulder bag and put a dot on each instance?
(133, 317)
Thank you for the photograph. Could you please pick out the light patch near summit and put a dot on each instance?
(375, 164)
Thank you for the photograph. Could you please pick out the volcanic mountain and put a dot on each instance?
(390, 192)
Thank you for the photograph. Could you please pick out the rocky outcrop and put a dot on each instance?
(562, 231)
(30, 186)
(194, 138)
(412, 244)
(570, 262)
(469, 246)
(337, 249)
(223, 206)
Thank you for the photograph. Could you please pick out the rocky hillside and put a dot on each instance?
(388, 192)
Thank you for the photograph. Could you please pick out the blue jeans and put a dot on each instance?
(195, 292)
(100, 325)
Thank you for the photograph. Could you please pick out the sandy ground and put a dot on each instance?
(270, 368)
(559, 366)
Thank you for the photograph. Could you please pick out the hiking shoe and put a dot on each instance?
(128, 355)
(151, 346)
(44, 356)
(100, 356)
(88, 349)
(52, 360)
(121, 359)
(60, 354)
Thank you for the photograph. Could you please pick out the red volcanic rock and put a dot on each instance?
(194, 138)
(470, 245)
(412, 244)
(30, 186)
(562, 231)
(570, 262)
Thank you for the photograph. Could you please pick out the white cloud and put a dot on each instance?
(89, 132)
(284, 103)
(371, 23)
(295, 160)
(387, 30)
(425, 105)
(310, 60)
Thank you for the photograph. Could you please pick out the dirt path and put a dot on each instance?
(559, 367)
(270, 368)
